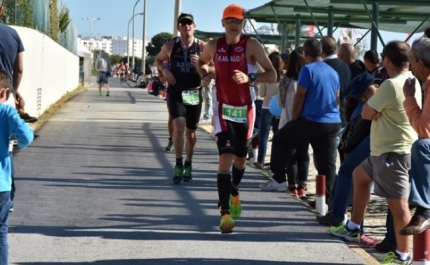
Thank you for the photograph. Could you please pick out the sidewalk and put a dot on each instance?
(95, 188)
(377, 209)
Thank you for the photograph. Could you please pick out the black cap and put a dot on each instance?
(185, 16)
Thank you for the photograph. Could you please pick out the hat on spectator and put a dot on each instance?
(360, 84)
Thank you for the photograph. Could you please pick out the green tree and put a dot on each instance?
(154, 47)
(63, 19)
(53, 17)
(24, 13)
(115, 59)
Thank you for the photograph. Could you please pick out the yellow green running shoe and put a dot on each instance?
(227, 224)
(235, 206)
(187, 173)
(393, 258)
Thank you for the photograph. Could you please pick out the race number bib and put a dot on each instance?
(235, 114)
(190, 97)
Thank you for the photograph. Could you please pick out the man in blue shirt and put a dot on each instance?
(316, 118)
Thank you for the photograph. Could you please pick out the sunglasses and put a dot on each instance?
(233, 21)
(382, 55)
(185, 22)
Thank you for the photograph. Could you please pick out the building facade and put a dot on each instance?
(114, 45)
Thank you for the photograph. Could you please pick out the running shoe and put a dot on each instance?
(107, 93)
(187, 173)
(273, 185)
(235, 206)
(169, 146)
(367, 242)
(226, 224)
(177, 177)
(100, 93)
(301, 192)
(329, 220)
(343, 232)
(392, 258)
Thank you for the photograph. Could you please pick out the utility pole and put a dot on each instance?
(178, 7)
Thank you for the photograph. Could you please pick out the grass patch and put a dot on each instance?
(54, 108)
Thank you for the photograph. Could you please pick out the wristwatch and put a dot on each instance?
(252, 77)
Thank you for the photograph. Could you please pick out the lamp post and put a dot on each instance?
(91, 20)
(144, 37)
(132, 52)
(178, 5)
(128, 37)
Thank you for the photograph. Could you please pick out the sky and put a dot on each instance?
(115, 14)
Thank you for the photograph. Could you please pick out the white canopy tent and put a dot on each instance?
(87, 57)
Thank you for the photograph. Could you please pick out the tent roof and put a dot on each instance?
(394, 15)
(84, 52)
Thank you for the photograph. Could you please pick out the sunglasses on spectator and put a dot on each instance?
(185, 22)
(233, 21)
(382, 56)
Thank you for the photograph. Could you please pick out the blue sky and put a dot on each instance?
(115, 14)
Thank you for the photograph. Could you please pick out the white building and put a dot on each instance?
(93, 44)
(114, 45)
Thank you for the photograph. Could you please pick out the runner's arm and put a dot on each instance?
(205, 65)
(163, 56)
(260, 56)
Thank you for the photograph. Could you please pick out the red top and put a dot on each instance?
(227, 59)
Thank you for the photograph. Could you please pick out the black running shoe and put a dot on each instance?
(177, 176)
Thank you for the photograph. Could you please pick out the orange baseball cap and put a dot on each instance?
(233, 11)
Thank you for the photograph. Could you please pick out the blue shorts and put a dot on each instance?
(102, 78)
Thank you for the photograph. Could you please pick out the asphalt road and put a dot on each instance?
(95, 188)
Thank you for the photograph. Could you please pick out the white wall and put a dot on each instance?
(50, 71)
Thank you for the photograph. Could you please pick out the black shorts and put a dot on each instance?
(190, 112)
(234, 140)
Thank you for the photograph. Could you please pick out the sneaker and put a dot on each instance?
(205, 120)
(11, 206)
(27, 118)
(273, 185)
(258, 165)
(226, 224)
(187, 173)
(393, 258)
(301, 192)
(169, 146)
(367, 242)
(294, 192)
(343, 232)
(100, 94)
(329, 220)
(385, 246)
(177, 177)
(235, 206)
(107, 93)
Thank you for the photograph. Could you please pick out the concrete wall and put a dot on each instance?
(50, 71)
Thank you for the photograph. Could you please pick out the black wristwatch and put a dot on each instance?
(252, 77)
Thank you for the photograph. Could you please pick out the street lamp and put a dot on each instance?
(128, 37)
(132, 52)
(144, 37)
(91, 20)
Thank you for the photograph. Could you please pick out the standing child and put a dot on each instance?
(10, 124)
